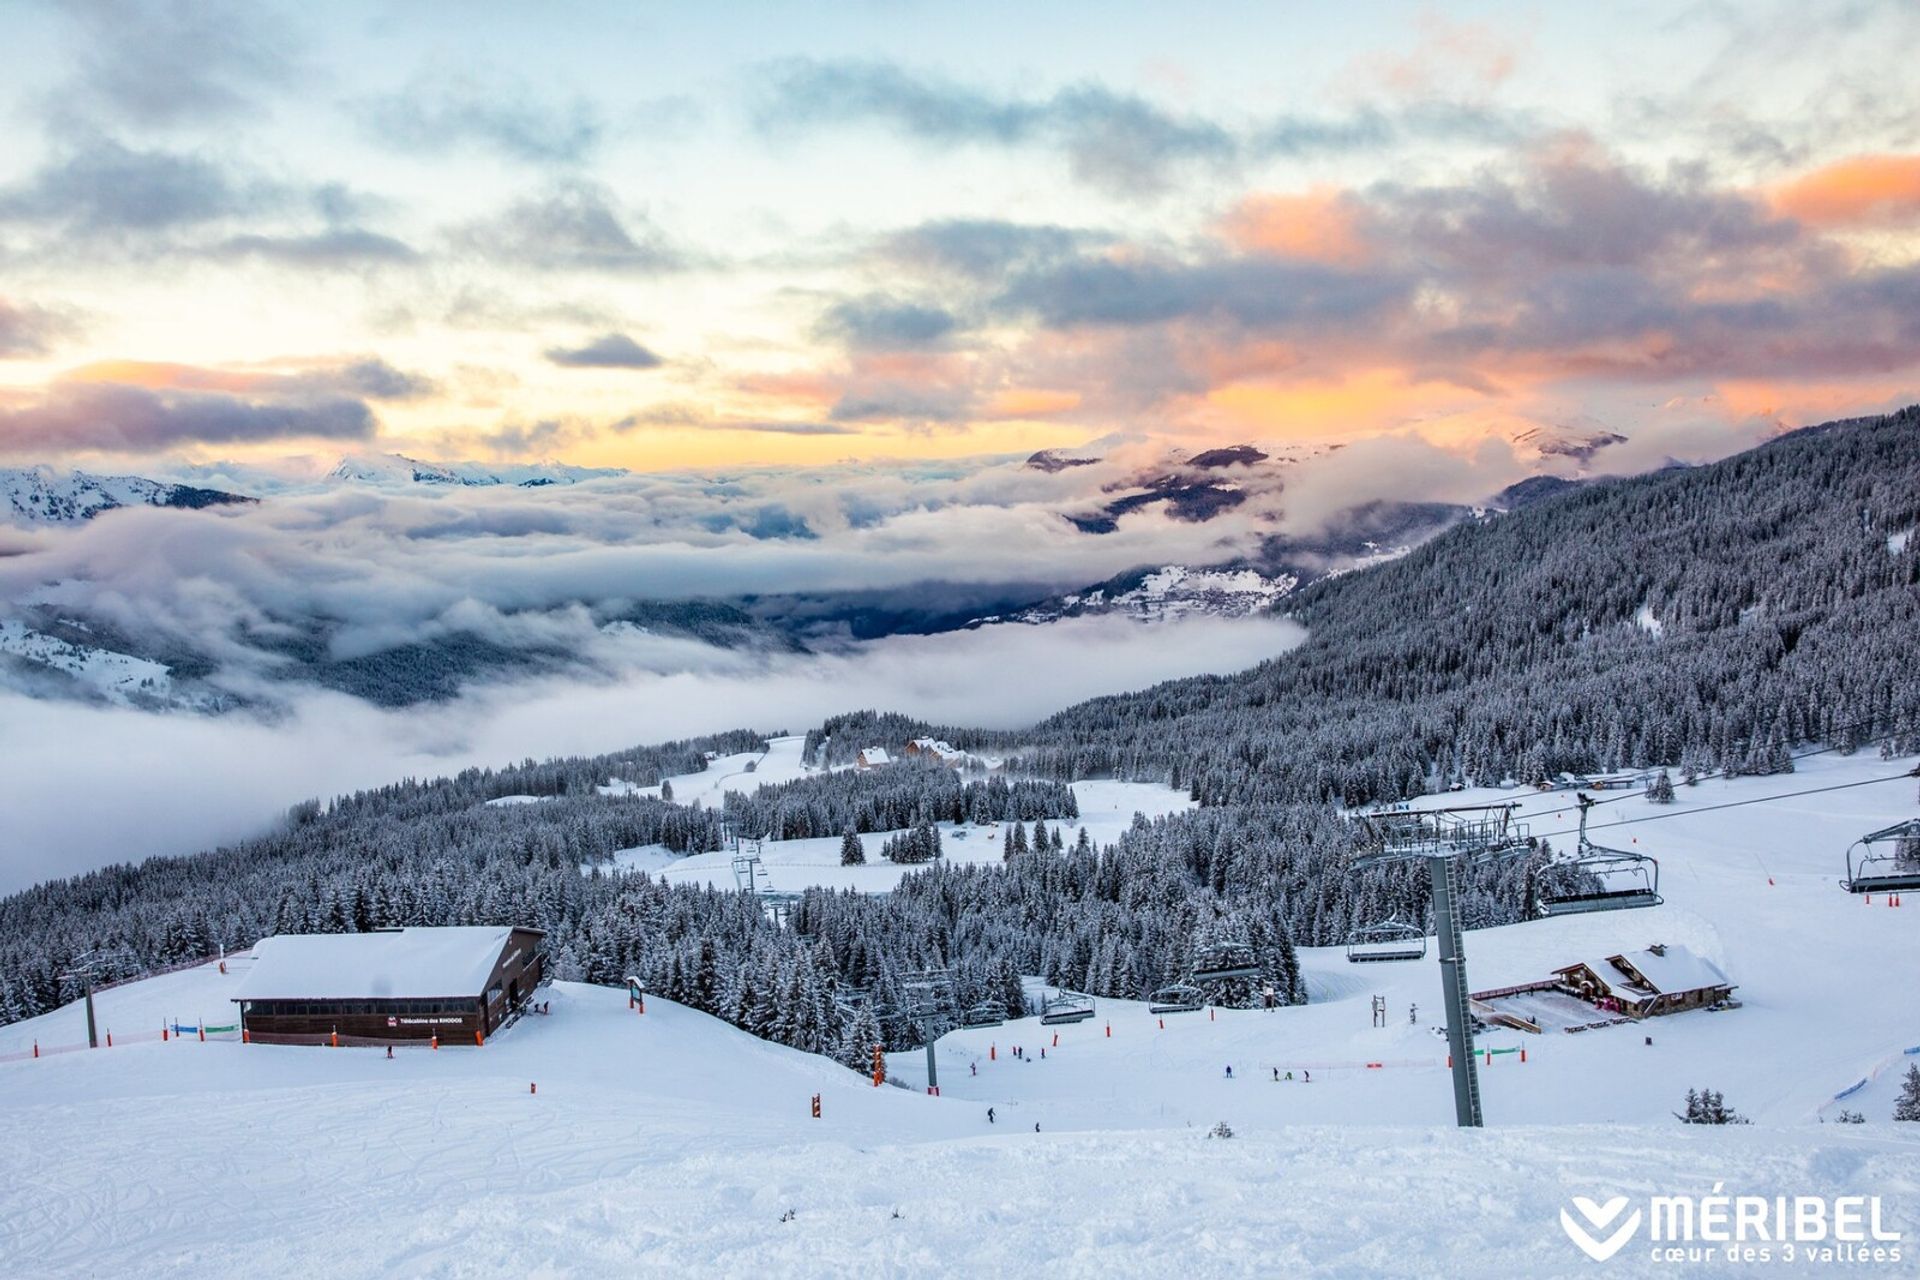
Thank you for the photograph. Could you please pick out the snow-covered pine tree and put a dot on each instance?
(1907, 1106)
(852, 852)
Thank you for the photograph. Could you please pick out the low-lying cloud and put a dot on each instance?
(81, 786)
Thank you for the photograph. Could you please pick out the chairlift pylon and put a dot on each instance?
(1386, 940)
(1885, 861)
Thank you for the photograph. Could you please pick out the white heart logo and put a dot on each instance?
(1599, 1217)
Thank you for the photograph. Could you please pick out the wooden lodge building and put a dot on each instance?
(1646, 984)
(460, 984)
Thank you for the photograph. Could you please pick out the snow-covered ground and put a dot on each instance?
(671, 1143)
(1106, 809)
(120, 677)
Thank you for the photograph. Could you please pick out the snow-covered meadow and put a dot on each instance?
(788, 866)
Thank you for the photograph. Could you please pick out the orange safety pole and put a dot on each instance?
(436, 1039)
(993, 1053)
(479, 1039)
(109, 1039)
(246, 1036)
(163, 1033)
(1523, 1053)
(36, 1048)
(1163, 1024)
(1109, 1031)
(1056, 1039)
(203, 1031)
(336, 1039)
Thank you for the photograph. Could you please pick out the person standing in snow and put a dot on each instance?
(1276, 1075)
(989, 1115)
(1229, 1071)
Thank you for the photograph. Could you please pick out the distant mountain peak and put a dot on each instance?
(1052, 460)
(43, 495)
(397, 470)
(1237, 455)
(1577, 443)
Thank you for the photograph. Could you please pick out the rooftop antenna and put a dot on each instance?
(1444, 839)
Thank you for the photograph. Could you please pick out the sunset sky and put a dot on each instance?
(657, 236)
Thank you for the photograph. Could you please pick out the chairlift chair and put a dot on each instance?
(1886, 861)
(1225, 960)
(1386, 940)
(987, 1013)
(1068, 1006)
(1178, 997)
(1596, 878)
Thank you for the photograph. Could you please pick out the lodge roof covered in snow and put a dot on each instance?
(388, 963)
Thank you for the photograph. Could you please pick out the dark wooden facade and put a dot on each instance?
(455, 1018)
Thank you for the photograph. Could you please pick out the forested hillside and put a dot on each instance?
(1703, 618)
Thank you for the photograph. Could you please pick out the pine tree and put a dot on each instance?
(666, 791)
(1908, 1105)
(852, 852)
(1660, 790)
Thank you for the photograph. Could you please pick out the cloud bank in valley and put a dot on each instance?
(123, 785)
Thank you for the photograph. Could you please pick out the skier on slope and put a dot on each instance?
(989, 1115)
(1229, 1071)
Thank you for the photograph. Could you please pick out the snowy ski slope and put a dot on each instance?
(672, 1144)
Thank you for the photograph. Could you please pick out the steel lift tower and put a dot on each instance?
(1445, 839)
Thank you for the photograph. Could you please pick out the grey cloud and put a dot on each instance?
(573, 227)
(1119, 142)
(28, 330)
(982, 248)
(877, 322)
(378, 380)
(1255, 293)
(102, 186)
(147, 64)
(609, 351)
(433, 114)
(343, 247)
(1373, 129)
(113, 417)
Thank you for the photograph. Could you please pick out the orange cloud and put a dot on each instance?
(1366, 399)
(1031, 402)
(1320, 225)
(1810, 401)
(160, 376)
(1861, 190)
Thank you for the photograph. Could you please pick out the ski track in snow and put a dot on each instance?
(672, 1144)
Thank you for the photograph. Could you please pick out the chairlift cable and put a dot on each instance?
(1736, 804)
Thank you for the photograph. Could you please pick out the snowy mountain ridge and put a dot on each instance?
(43, 495)
(399, 470)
